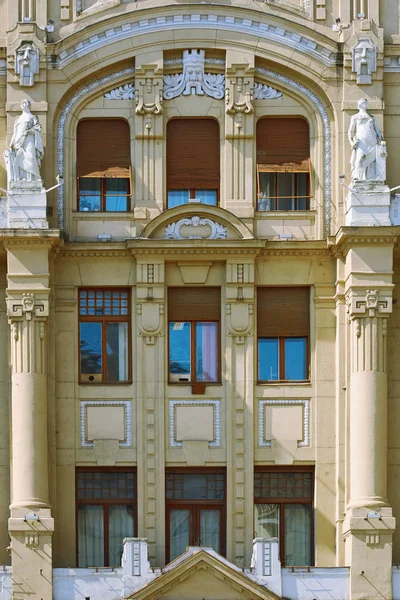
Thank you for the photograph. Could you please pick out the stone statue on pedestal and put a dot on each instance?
(25, 153)
(368, 159)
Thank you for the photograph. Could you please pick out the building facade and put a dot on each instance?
(198, 304)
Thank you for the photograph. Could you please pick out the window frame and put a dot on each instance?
(103, 195)
(195, 506)
(281, 359)
(282, 502)
(104, 319)
(105, 503)
(193, 355)
(192, 195)
(304, 167)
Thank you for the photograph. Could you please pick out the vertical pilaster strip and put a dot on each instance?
(151, 406)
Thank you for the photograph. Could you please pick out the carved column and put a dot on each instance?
(30, 523)
(240, 401)
(150, 406)
(149, 136)
(239, 134)
(368, 526)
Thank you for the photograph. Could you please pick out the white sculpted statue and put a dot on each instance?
(25, 153)
(368, 159)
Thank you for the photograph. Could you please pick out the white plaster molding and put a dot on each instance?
(173, 230)
(123, 92)
(217, 420)
(300, 88)
(193, 80)
(265, 92)
(391, 64)
(262, 442)
(274, 33)
(126, 404)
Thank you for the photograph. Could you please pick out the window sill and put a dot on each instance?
(286, 214)
(108, 383)
(286, 382)
(190, 383)
(89, 215)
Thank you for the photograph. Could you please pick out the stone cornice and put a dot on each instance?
(347, 237)
(9, 238)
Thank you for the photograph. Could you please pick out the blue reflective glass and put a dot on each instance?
(89, 194)
(177, 197)
(117, 194)
(207, 196)
(90, 344)
(179, 350)
(295, 358)
(268, 359)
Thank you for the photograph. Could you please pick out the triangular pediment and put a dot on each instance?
(201, 574)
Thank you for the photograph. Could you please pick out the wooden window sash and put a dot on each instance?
(304, 167)
(103, 193)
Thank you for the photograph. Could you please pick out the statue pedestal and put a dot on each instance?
(368, 203)
(27, 205)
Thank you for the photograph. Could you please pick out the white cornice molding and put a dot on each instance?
(243, 25)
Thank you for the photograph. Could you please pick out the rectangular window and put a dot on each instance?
(195, 504)
(106, 514)
(193, 161)
(194, 334)
(284, 509)
(283, 164)
(103, 165)
(283, 323)
(104, 335)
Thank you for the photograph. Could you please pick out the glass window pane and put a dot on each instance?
(302, 179)
(116, 203)
(285, 188)
(117, 185)
(90, 536)
(89, 193)
(266, 197)
(266, 520)
(117, 190)
(297, 535)
(117, 352)
(268, 359)
(210, 529)
(179, 351)
(179, 527)
(177, 197)
(90, 346)
(206, 351)
(295, 358)
(207, 196)
(120, 526)
(195, 486)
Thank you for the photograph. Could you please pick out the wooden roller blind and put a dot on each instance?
(194, 304)
(282, 140)
(193, 154)
(103, 148)
(283, 311)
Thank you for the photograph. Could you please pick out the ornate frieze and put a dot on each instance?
(193, 80)
(207, 229)
(26, 63)
(122, 92)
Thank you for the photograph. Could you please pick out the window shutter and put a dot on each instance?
(282, 141)
(103, 148)
(194, 304)
(283, 311)
(193, 154)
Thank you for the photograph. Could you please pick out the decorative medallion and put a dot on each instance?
(207, 229)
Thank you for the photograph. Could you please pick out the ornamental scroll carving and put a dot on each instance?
(122, 92)
(207, 229)
(265, 92)
(240, 320)
(193, 80)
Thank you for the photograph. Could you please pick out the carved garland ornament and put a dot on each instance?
(123, 92)
(173, 230)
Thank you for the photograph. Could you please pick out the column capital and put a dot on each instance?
(27, 305)
(362, 302)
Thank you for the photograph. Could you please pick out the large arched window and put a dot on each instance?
(192, 161)
(283, 164)
(103, 165)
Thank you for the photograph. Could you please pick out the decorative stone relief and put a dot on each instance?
(239, 96)
(368, 159)
(364, 61)
(217, 420)
(128, 420)
(26, 63)
(373, 303)
(193, 80)
(151, 321)
(265, 92)
(26, 307)
(306, 420)
(240, 319)
(148, 97)
(208, 229)
(123, 92)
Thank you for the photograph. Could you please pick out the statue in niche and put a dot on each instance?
(25, 153)
(26, 63)
(364, 61)
(368, 159)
